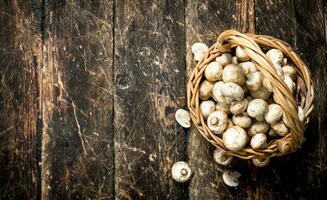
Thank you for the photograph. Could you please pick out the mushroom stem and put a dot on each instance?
(214, 121)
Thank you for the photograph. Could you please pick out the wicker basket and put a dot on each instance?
(253, 46)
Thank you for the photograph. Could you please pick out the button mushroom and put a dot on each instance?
(216, 92)
(207, 107)
(235, 138)
(290, 71)
(261, 93)
(248, 67)
(223, 107)
(257, 108)
(258, 141)
(230, 178)
(301, 114)
(233, 73)
(241, 55)
(217, 122)
(275, 112)
(234, 60)
(181, 172)
(272, 133)
(242, 120)
(267, 85)
(258, 127)
(199, 50)
(213, 71)
(280, 128)
(220, 157)
(224, 59)
(254, 81)
(205, 90)
(237, 107)
(260, 162)
(290, 84)
(232, 92)
(183, 118)
(276, 56)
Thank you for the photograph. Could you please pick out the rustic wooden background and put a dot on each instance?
(88, 91)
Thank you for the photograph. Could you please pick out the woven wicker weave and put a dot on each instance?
(253, 46)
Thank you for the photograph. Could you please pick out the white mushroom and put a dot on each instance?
(213, 71)
(241, 55)
(224, 59)
(272, 133)
(242, 120)
(290, 71)
(220, 157)
(267, 85)
(235, 138)
(234, 60)
(237, 107)
(275, 112)
(223, 107)
(199, 50)
(260, 162)
(301, 114)
(181, 172)
(258, 127)
(217, 122)
(216, 92)
(258, 141)
(233, 73)
(205, 90)
(290, 84)
(280, 128)
(248, 67)
(261, 93)
(207, 107)
(183, 118)
(230, 178)
(284, 61)
(276, 56)
(232, 92)
(254, 80)
(257, 109)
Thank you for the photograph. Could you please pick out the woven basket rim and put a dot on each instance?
(252, 45)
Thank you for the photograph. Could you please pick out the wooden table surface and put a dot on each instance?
(88, 92)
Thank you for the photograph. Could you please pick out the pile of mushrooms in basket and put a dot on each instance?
(250, 96)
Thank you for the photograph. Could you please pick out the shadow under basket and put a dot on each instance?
(253, 45)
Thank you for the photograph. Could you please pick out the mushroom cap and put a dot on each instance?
(258, 127)
(220, 157)
(259, 162)
(183, 118)
(254, 80)
(301, 114)
(199, 50)
(233, 73)
(290, 71)
(217, 122)
(241, 55)
(258, 141)
(280, 128)
(267, 85)
(213, 71)
(242, 120)
(235, 138)
(237, 107)
(230, 178)
(257, 108)
(272, 133)
(207, 107)
(276, 56)
(234, 60)
(224, 59)
(248, 67)
(275, 112)
(261, 93)
(205, 90)
(181, 172)
(223, 107)
(216, 92)
(232, 91)
(290, 84)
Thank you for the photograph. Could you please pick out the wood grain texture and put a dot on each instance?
(205, 20)
(77, 100)
(20, 59)
(149, 88)
(300, 175)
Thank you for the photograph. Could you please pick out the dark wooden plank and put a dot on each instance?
(149, 87)
(20, 60)
(77, 100)
(301, 175)
(205, 20)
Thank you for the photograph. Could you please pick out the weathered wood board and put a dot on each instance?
(88, 92)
